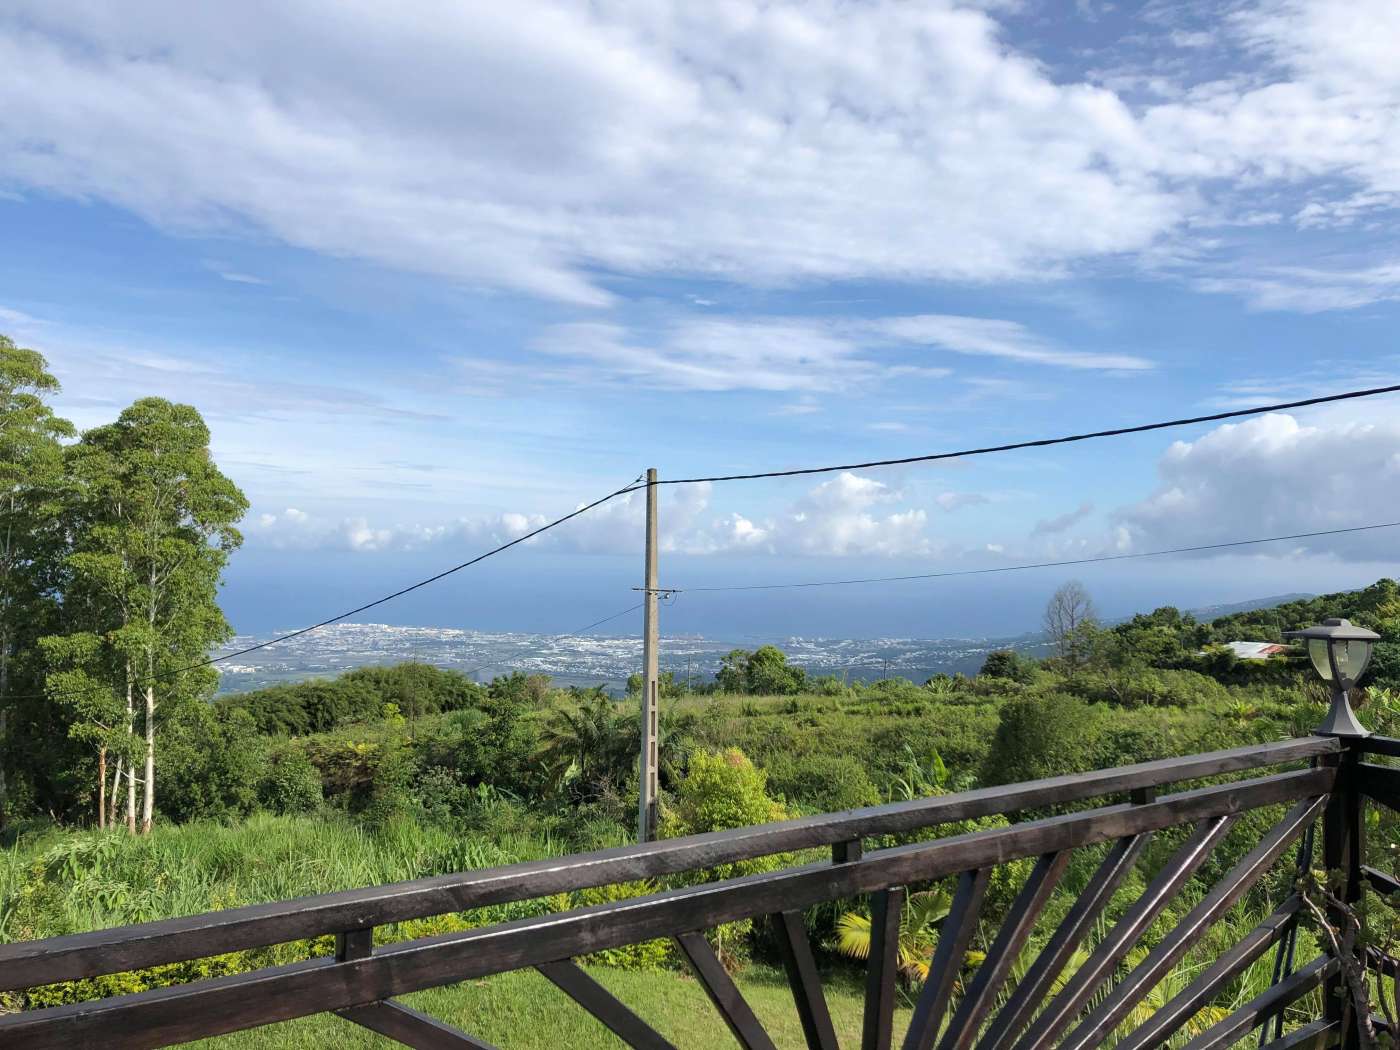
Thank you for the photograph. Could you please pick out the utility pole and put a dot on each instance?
(646, 816)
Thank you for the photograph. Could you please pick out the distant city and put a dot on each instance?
(590, 660)
(609, 659)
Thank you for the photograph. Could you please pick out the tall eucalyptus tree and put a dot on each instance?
(157, 523)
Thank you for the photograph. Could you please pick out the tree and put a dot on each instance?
(763, 671)
(31, 471)
(153, 525)
(79, 682)
(1008, 664)
(730, 678)
(590, 747)
(1070, 623)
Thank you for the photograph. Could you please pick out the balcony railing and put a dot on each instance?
(1002, 1004)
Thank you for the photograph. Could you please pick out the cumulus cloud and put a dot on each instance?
(1274, 476)
(536, 146)
(846, 515)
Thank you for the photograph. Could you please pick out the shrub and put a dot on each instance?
(290, 782)
(824, 783)
(1042, 736)
(209, 766)
(1008, 664)
(723, 790)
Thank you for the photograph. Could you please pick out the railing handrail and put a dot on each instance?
(224, 1004)
(25, 964)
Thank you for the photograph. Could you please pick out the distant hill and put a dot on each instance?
(1206, 613)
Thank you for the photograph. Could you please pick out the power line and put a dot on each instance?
(1141, 428)
(1040, 565)
(605, 619)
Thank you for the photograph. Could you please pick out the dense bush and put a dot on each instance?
(823, 783)
(210, 765)
(1042, 736)
(356, 696)
(1008, 664)
(290, 782)
(722, 790)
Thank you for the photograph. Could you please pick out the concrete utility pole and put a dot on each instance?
(646, 816)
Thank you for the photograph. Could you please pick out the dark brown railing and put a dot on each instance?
(1318, 777)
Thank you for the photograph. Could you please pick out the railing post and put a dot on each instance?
(354, 944)
(1342, 847)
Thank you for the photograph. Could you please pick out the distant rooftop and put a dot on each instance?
(1256, 650)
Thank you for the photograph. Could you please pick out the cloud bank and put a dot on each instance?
(544, 147)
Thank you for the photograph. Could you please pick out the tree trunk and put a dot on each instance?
(101, 787)
(131, 770)
(115, 804)
(148, 801)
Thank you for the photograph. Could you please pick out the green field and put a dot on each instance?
(523, 1011)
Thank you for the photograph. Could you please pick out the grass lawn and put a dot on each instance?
(523, 1011)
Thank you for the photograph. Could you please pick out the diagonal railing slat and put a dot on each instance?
(724, 993)
(411, 1027)
(981, 993)
(882, 973)
(1030, 993)
(1263, 1006)
(1167, 1021)
(616, 1016)
(1103, 961)
(1144, 977)
(953, 939)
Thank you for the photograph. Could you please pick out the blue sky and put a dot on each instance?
(436, 273)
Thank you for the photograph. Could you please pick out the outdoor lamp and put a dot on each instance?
(1339, 653)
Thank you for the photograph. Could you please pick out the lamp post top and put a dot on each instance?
(1335, 629)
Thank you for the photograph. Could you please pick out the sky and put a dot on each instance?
(438, 272)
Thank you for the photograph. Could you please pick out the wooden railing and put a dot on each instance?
(1316, 778)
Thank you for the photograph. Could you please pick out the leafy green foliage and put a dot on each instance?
(765, 672)
(1008, 664)
(1042, 736)
(289, 782)
(357, 696)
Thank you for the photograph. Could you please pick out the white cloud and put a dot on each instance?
(1274, 476)
(1310, 290)
(773, 355)
(784, 354)
(846, 515)
(996, 338)
(18, 318)
(527, 147)
(537, 146)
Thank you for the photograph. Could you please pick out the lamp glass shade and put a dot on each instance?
(1351, 656)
